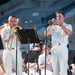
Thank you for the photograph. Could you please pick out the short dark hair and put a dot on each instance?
(11, 17)
(61, 13)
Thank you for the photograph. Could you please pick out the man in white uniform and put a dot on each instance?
(11, 45)
(60, 32)
(44, 61)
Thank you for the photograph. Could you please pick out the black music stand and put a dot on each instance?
(1, 44)
(27, 36)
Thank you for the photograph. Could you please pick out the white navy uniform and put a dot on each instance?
(9, 53)
(41, 60)
(59, 50)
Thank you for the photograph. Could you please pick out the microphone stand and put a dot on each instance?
(28, 54)
(46, 43)
(45, 48)
(16, 51)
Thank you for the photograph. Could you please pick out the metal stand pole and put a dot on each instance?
(28, 54)
(16, 53)
(45, 50)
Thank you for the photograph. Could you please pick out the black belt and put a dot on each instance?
(12, 48)
(59, 44)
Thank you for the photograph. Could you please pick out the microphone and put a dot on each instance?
(50, 22)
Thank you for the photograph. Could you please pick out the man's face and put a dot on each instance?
(60, 18)
(12, 21)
